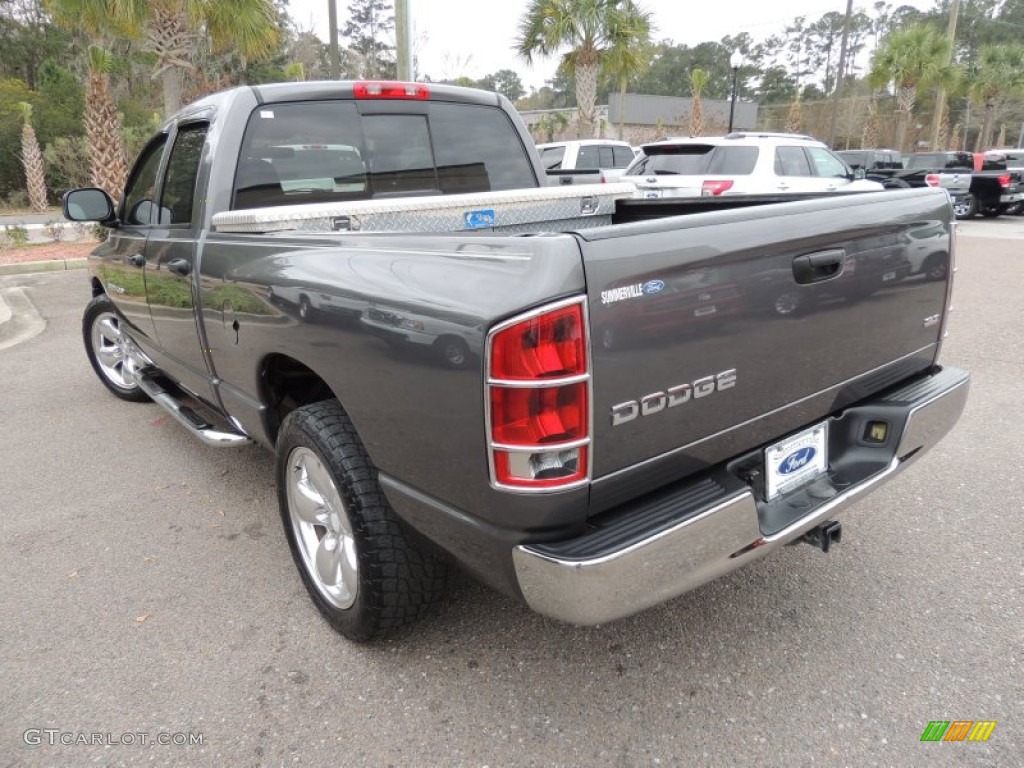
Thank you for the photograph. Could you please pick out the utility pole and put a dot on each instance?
(403, 39)
(839, 74)
(940, 97)
(332, 20)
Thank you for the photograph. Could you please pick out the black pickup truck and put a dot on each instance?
(886, 166)
(993, 192)
(584, 400)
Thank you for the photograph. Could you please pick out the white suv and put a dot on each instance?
(742, 164)
(608, 156)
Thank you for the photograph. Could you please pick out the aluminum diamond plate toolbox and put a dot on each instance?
(519, 210)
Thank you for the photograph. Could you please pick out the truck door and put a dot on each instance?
(171, 262)
(123, 253)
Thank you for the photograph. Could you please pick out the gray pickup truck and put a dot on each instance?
(593, 411)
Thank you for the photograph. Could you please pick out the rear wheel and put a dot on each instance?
(936, 267)
(362, 568)
(991, 211)
(106, 346)
(787, 305)
(965, 207)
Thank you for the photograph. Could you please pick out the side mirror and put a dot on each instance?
(857, 174)
(89, 204)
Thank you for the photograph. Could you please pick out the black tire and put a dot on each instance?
(398, 579)
(787, 305)
(100, 323)
(305, 308)
(936, 266)
(966, 208)
(895, 184)
(454, 352)
(992, 211)
(608, 337)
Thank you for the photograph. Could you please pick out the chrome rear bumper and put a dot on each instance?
(586, 581)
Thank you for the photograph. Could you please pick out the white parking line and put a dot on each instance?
(19, 319)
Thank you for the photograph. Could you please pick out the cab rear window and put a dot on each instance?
(314, 152)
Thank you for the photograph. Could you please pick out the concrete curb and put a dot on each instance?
(50, 265)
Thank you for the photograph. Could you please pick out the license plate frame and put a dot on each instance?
(796, 461)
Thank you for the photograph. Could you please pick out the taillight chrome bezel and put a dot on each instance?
(584, 378)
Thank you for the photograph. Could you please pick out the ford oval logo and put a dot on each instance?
(797, 460)
(654, 286)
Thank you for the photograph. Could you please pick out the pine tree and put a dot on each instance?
(32, 160)
(954, 140)
(107, 165)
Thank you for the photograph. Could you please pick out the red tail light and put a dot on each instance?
(538, 399)
(388, 89)
(932, 180)
(1004, 180)
(712, 188)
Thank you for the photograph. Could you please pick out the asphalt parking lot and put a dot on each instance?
(147, 594)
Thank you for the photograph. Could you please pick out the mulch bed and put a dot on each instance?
(47, 252)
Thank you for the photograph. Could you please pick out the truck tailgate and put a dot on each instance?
(717, 332)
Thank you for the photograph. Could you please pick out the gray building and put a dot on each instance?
(673, 113)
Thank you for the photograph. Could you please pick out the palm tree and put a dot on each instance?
(629, 55)
(912, 59)
(1000, 73)
(795, 116)
(32, 161)
(107, 166)
(698, 79)
(589, 28)
(173, 30)
(869, 137)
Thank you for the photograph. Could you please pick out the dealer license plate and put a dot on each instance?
(796, 460)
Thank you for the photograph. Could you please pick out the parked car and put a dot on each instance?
(992, 192)
(620, 423)
(742, 164)
(1006, 160)
(605, 159)
(871, 159)
(956, 181)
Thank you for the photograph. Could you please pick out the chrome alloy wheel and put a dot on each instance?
(322, 528)
(112, 351)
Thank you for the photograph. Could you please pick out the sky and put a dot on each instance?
(476, 37)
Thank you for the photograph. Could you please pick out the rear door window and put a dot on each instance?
(588, 157)
(179, 191)
(733, 161)
(791, 161)
(621, 156)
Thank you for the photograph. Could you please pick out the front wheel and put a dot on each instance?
(965, 207)
(107, 349)
(362, 568)
(454, 352)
